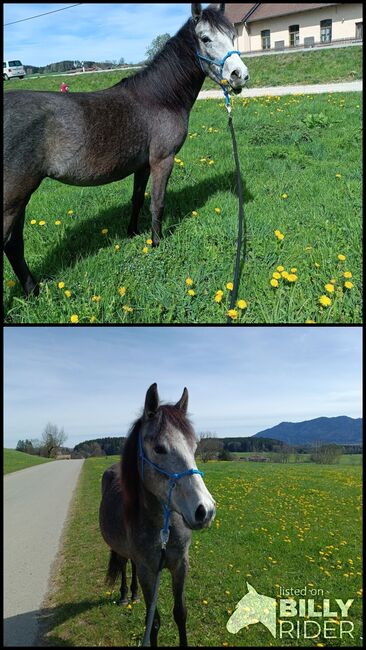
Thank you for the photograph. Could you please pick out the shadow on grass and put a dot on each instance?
(35, 628)
(85, 239)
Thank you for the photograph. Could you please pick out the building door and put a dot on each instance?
(294, 31)
(326, 30)
(266, 39)
(359, 30)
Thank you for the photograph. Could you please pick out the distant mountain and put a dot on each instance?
(341, 430)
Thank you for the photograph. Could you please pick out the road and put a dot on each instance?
(342, 87)
(36, 502)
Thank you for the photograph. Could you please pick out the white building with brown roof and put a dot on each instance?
(273, 26)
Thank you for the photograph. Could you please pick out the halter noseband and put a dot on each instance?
(173, 477)
(220, 63)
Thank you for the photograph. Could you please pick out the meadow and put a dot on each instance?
(277, 526)
(14, 460)
(301, 169)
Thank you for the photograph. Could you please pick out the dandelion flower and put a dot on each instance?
(67, 293)
(279, 235)
(181, 164)
(218, 296)
(129, 606)
(338, 175)
(310, 322)
(211, 162)
(325, 301)
(291, 277)
(177, 160)
(58, 222)
(194, 213)
(33, 221)
(280, 268)
(348, 284)
(146, 194)
(341, 257)
(149, 242)
(96, 298)
(293, 270)
(333, 281)
(42, 223)
(61, 285)
(74, 318)
(284, 196)
(122, 291)
(317, 265)
(285, 274)
(233, 314)
(145, 250)
(203, 159)
(104, 231)
(347, 274)
(205, 602)
(230, 286)
(70, 212)
(127, 309)
(117, 247)
(274, 282)
(329, 287)
(189, 282)
(242, 304)
(276, 275)
(218, 210)
(92, 319)
(191, 292)
(10, 284)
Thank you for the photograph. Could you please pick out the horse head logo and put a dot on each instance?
(253, 608)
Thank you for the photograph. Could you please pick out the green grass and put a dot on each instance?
(291, 145)
(15, 460)
(345, 459)
(317, 508)
(324, 66)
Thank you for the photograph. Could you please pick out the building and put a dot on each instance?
(275, 26)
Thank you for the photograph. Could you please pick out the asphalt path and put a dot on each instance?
(270, 91)
(36, 502)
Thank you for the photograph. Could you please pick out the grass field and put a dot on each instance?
(345, 459)
(15, 460)
(276, 526)
(301, 169)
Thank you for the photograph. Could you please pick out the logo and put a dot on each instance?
(296, 616)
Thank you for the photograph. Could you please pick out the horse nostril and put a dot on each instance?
(235, 74)
(200, 514)
(246, 77)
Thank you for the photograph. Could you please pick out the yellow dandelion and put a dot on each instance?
(341, 257)
(233, 314)
(205, 602)
(310, 322)
(33, 221)
(104, 231)
(274, 282)
(285, 274)
(276, 275)
(230, 286)
(338, 175)
(92, 319)
(70, 212)
(329, 287)
(96, 298)
(42, 223)
(293, 270)
(181, 164)
(177, 160)
(117, 247)
(211, 162)
(242, 304)
(347, 274)
(348, 284)
(218, 210)
(218, 296)
(325, 301)
(74, 318)
(61, 285)
(333, 281)
(10, 284)
(191, 292)
(149, 242)
(122, 291)
(317, 265)
(292, 277)
(203, 159)
(58, 222)
(194, 213)
(67, 293)
(280, 269)
(127, 309)
(129, 606)
(145, 250)
(189, 282)
(146, 194)
(279, 235)
(284, 196)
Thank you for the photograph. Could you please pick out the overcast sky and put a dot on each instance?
(90, 32)
(241, 380)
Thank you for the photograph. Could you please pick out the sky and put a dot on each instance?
(90, 32)
(93, 380)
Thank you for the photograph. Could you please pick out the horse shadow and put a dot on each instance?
(85, 239)
(253, 608)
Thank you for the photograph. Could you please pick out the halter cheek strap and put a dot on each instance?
(173, 477)
(221, 64)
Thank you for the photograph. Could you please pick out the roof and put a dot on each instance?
(249, 12)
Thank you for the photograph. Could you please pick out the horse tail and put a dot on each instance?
(114, 568)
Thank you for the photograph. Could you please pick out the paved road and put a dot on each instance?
(36, 502)
(347, 86)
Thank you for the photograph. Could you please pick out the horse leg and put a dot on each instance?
(14, 249)
(134, 583)
(180, 611)
(160, 172)
(139, 186)
(147, 582)
(123, 600)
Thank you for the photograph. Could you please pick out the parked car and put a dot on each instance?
(13, 69)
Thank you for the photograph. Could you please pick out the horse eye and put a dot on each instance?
(205, 39)
(159, 449)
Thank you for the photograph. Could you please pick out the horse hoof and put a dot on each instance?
(135, 600)
(133, 232)
(122, 601)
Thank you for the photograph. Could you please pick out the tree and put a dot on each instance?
(52, 439)
(282, 453)
(209, 447)
(157, 45)
(326, 454)
(121, 61)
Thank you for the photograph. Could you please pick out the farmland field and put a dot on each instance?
(15, 460)
(289, 526)
(301, 169)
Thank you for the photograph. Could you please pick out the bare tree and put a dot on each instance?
(52, 440)
(209, 447)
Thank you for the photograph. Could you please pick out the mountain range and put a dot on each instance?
(342, 430)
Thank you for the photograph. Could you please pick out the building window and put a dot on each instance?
(359, 30)
(294, 31)
(266, 39)
(326, 30)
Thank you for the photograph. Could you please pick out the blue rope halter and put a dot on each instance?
(221, 66)
(173, 477)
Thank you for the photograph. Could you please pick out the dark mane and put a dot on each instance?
(130, 477)
(167, 77)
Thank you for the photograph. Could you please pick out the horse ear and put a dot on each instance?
(182, 405)
(222, 7)
(196, 11)
(151, 401)
(251, 589)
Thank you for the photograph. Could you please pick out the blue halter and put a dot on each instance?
(173, 477)
(221, 66)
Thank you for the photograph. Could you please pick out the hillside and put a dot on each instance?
(15, 460)
(342, 430)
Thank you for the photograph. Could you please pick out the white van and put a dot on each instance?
(13, 69)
